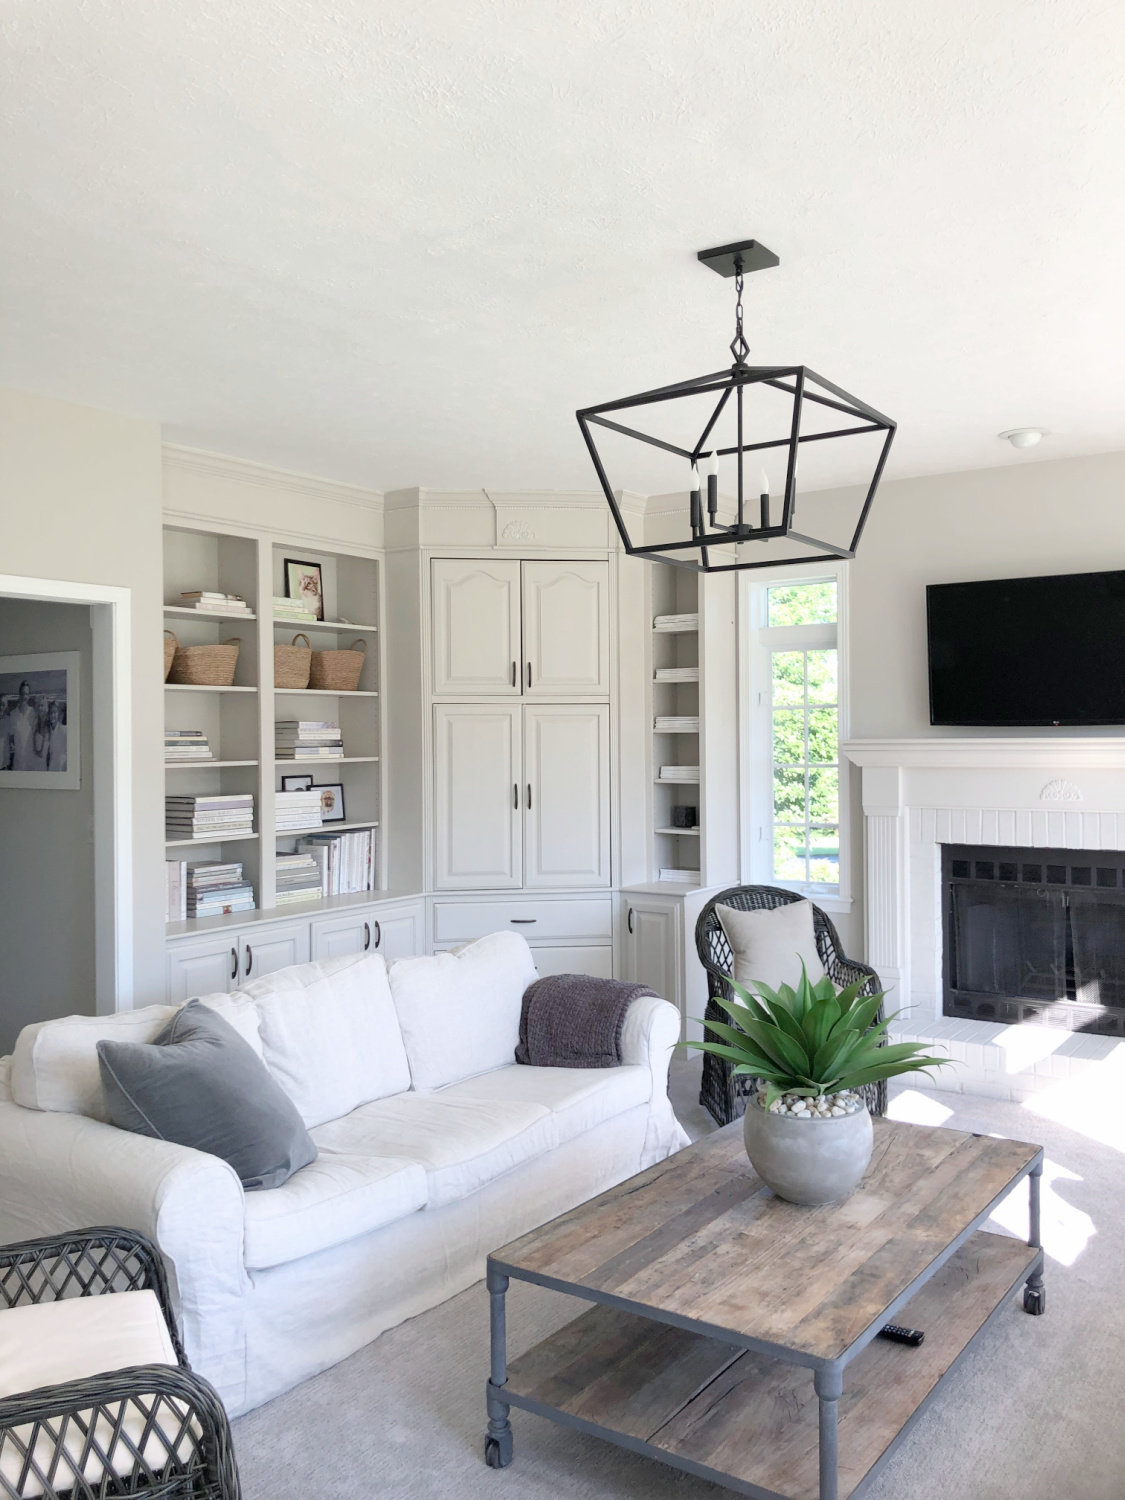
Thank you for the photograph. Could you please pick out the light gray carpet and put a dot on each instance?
(1034, 1411)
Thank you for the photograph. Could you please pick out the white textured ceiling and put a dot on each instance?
(399, 242)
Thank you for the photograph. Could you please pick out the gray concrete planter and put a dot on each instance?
(808, 1161)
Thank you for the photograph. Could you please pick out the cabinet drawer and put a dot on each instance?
(591, 960)
(461, 921)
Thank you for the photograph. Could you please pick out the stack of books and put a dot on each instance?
(298, 879)
(676, 674)
(297, 810)
(209, 602)
(691, 877)
(210, 818)
(185, 745)
(292, 609)
(679, 773)
(677, 724)
(675, 624)
(346, 861)
(175, 873)
(308, 739)
(217, 890)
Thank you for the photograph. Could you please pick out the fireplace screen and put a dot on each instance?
(1035, 935)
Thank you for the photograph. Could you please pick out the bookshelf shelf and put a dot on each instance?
(334, 625)
(289, 833)
(191, 687)
(679, 833)
(206, 765)
(228, 838)
(323, 693)
(185, 612)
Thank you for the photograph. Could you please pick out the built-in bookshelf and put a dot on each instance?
(238, 722)
(674, 720)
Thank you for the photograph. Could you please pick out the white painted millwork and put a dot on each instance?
(201, 966)
(262, 952)
(597, 961)
(475, 627)
(566, 629)
(652, 949)
(535, 919)
(478, 797)
(566, 795)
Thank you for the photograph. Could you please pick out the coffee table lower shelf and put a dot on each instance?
(746, 1420)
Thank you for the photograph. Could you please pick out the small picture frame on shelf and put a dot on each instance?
(303, 581)
(302, 783)
(331, 802)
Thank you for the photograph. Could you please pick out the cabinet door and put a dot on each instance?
(203, 967)
(566, 629)
(262, 950)
(650, 946)
(478, 797)
(475, 627)
(400, 932)
(566, 793)
(337, 937)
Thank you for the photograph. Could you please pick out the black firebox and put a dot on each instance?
(1035, 935)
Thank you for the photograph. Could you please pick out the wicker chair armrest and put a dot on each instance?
(153, 1430)
(85, 1263)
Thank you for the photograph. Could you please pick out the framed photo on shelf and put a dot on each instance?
(303, 581)
(39, 713)
(331, 802)
(302, 783)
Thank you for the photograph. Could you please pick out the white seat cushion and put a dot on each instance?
(461, 1143)
(56, 1342)
(460, 1012)
(579, 1098)
(333, 1199)
(330, 1035)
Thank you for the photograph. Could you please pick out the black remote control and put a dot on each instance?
(911, 1336)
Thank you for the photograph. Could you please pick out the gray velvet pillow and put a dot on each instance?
(199, 1084)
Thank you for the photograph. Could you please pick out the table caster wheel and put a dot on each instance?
(498, 1452)
(1034, 1300)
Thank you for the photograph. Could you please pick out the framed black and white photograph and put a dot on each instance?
(39, 707)
(331, 802)
(302, 783)
(303, 581)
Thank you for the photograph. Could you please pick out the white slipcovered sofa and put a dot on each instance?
(434, 1148)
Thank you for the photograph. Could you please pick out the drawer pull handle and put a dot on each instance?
(521, 921)
(529, 796)
(630, 919)
(513, 674)
(234, 963)
(529, 674)
(366, 936)
(249, 960)
(378, 933)
(516, 795)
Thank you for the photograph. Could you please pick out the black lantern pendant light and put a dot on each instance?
(810, 413)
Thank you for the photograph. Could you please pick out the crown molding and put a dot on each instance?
(1041, 752)
(206, 465)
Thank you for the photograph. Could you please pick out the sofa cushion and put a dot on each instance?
(460, 1012)
(330, 1035)
(197, 1083)
(336, 1198)
(55, 1063)
(461, 1143)
(769, 945)
(579, 1098)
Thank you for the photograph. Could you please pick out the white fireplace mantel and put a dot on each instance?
(1048, 791)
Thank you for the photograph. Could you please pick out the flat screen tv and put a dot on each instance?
(1028, 651)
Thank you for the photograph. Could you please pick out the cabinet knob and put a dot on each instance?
(234, 963)
(249, 960)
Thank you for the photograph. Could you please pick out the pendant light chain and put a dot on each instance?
(739, 347)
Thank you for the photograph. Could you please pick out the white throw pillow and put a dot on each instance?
(769, 945)
(460, 1012)
(55, 1063)
(330, 1035)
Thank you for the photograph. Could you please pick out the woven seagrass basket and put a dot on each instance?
(338, 670)
(205, 666)
(291, 664)
(170, 644)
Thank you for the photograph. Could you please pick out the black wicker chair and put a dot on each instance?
(157, 1431)
(723, 1094)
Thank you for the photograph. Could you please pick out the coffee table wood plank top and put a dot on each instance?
(700, 1239)
(725, 1318)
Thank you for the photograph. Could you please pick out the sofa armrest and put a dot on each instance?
(61, 1172)
(650, 1032)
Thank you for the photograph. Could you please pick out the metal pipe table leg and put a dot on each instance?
(1034, 1293)
(828, 1385)
(498, 1443)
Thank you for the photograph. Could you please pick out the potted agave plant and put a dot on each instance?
(807, 1130)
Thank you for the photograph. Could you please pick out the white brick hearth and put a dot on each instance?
(1054, 791)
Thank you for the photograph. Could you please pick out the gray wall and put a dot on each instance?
(47, 868)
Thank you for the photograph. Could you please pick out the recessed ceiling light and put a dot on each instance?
(1024, 437)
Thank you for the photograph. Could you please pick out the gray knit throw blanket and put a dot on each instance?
(575, 1021)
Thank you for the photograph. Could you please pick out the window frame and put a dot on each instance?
(757, 642)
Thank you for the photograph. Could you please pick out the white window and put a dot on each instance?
(796, 811)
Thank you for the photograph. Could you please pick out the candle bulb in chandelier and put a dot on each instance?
(696, 508)
(764, 495)
(713, 487)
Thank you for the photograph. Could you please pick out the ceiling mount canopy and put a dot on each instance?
(748, 425)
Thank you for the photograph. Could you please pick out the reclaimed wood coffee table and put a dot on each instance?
(735, 1335)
